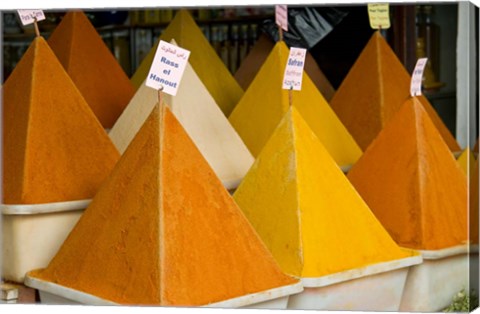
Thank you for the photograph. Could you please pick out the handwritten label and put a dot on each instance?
(167, 67)
(292, 79)
(281, 16)
(416, 83)
(379, 15)
(28, 16)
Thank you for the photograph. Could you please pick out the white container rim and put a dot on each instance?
(33, 209)
(317, 282)
(68, 293)
(258, 297)
(86, 298)
(450, 251)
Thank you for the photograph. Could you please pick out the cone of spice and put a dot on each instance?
(92, 67)
(366, 105)
(412, 182)
(178, 238)
(306, 211)
(207, 64)
(265, 103)
(54, 148)
(259, 53)
(203, 120)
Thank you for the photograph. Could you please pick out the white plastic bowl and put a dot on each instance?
(432, 285)
(375, 287)
(32, 234)
(51, 293)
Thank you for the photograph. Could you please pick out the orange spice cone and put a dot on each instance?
(441, 127)
(92, 67)
(307, 212)
(265, 103)
(54, 148)
(177, 237)
(412, 182)
(205, 61)
(259, 53)
(374, 90)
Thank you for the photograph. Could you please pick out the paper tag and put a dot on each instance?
(281, 16)
(167, 67)
(417, 77)
(28, 16)
(379, 15)
(294, 69)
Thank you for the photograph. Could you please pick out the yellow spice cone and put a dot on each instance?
(374, 90)
(265, 103)
(164, 231)
(413, 184)
(259, 53)
(305, 210)
(208, 65)
(203, 120)
(54, 147)
(466, 161)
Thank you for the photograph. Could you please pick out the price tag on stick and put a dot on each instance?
(31, 16)
(167, 68)
(281, 16)
(417, 77)
(379, 15)
(292, 79)
(28, 16)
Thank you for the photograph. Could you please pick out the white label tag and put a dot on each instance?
(416, 83)
(281, 16)
(292, 79)
(379, 15)
(28, 16)
(167, 67)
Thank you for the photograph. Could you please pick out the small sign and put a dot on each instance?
(292, 79)
(28, 16)
(379, 15)
(281, 16)
(417, 77)
(167, 67)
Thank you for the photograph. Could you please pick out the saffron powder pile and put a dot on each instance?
(265, 103)
(259, 53)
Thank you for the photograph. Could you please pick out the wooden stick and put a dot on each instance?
(290, 96)
(161, 108)
(160, 95)
(35, 24)
(280, 33)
